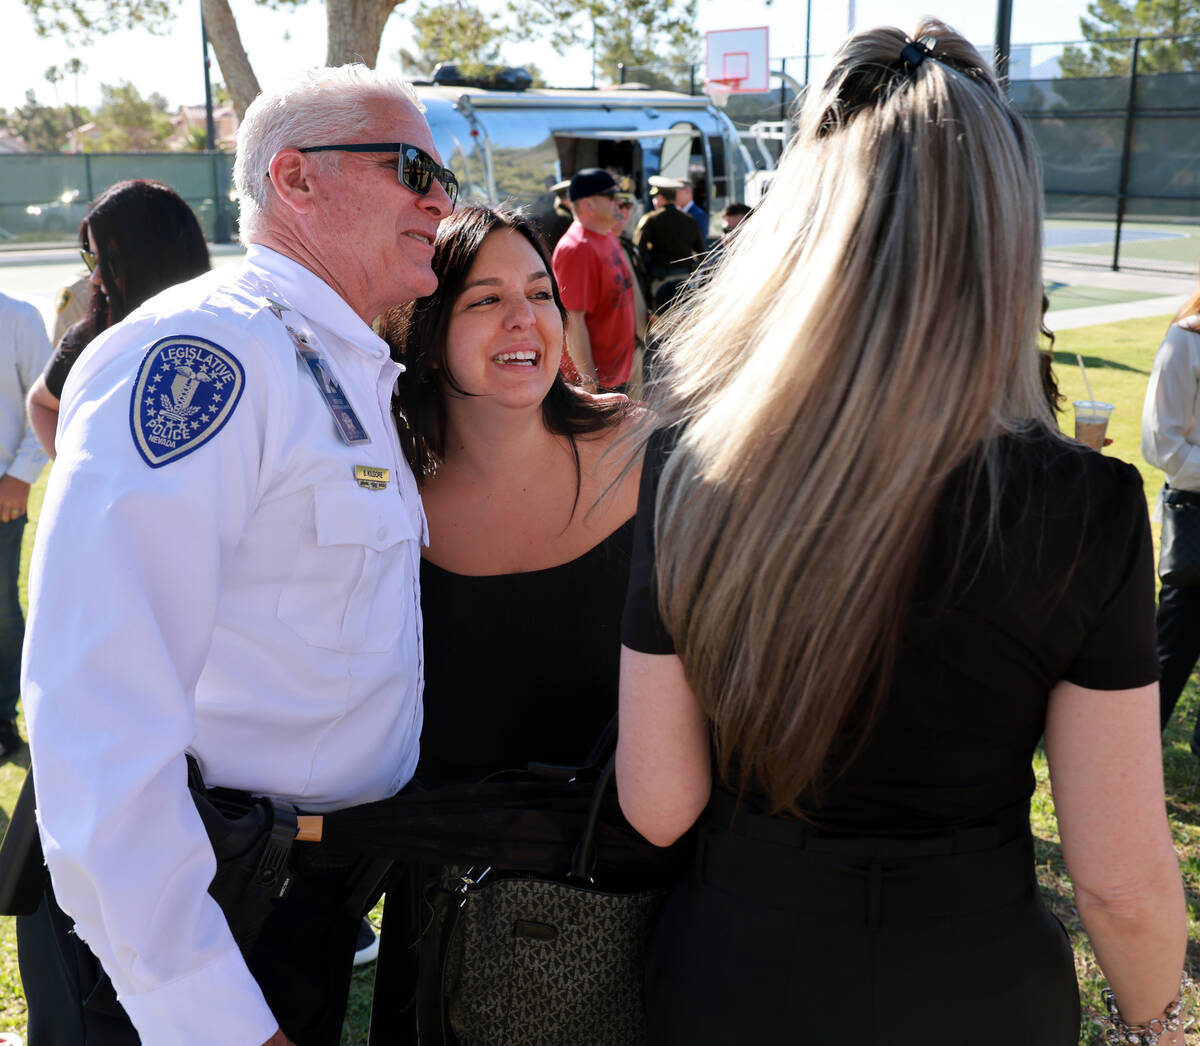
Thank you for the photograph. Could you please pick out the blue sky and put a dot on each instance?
(280, 44)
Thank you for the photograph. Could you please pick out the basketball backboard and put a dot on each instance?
(738, 59)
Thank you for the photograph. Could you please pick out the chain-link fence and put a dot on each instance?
(44, 196)
(1121, 154)
(1117, 122)
(1120, 150)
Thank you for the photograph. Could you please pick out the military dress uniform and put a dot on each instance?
(672, 244)
(227, 564)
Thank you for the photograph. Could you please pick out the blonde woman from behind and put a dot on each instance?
(870, 576)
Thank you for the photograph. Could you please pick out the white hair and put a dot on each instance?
(321, 106)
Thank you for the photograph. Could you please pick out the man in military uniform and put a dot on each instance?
(669, 239)
(72, 305)
(227, 567)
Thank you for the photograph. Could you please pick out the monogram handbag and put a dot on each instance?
(536, 959)
(531, 899)
(1179, 554)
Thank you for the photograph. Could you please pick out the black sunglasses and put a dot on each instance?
(416, 168)
(89, 259)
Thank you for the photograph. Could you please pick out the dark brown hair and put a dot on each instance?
(1054, 395)
(417, 335)
(147, 239)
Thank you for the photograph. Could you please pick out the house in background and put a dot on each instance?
(190, 120)
(78, 138)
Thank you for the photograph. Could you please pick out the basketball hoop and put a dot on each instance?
(720, 90)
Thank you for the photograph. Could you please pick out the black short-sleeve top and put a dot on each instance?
(1063, 591)
(521, 668)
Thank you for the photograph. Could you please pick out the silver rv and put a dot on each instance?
(513, 145)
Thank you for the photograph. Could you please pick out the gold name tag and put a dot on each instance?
(371, 478)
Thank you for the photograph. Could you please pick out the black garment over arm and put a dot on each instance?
(75, 339)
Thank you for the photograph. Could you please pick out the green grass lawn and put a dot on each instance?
(1118, 357)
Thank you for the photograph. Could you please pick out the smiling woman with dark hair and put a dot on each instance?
(530, 520)
(138, 237)
(512, 464)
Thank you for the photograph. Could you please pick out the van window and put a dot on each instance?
(719, 172)
(524, 155)
(465, 160)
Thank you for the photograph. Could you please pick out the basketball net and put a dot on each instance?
(720, 90)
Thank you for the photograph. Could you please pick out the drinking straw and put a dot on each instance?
(1086, 384)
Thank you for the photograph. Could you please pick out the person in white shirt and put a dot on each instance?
(227, 567)
(24, 348)
(1171, 442)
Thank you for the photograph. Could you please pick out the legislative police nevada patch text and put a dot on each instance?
(185, 391)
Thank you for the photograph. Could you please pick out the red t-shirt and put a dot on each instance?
(594, 279)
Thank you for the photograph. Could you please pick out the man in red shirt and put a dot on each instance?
(596, 284)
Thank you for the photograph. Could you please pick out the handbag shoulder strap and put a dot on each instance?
(583, 861)
(605, 744)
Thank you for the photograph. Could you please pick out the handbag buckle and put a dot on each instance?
(471, 878)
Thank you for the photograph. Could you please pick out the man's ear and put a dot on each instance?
(289, 173)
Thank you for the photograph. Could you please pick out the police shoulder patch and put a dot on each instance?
(185, 391)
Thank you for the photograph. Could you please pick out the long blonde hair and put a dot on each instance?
(1190, 307)
(871, 326)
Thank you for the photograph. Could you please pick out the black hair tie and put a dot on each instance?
(914, 54)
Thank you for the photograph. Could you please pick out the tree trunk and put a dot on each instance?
(222, 30)
(355, 27)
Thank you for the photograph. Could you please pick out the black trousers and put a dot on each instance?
(1178, 623)
(302, 962)
(772, 943)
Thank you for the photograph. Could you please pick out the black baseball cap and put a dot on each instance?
(591, 181)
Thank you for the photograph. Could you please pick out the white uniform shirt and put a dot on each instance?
(248, 602)
(1171, 414)
(26, 349)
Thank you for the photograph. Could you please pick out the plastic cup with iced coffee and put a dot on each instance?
(1091, 422)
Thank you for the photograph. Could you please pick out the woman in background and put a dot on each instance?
(870, 575)
(1171, 442)
(138, 237)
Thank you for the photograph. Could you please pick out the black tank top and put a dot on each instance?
(521, 668)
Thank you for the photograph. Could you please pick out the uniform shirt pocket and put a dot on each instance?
(352, 590)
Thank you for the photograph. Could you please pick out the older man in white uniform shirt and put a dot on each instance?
(227, 565)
